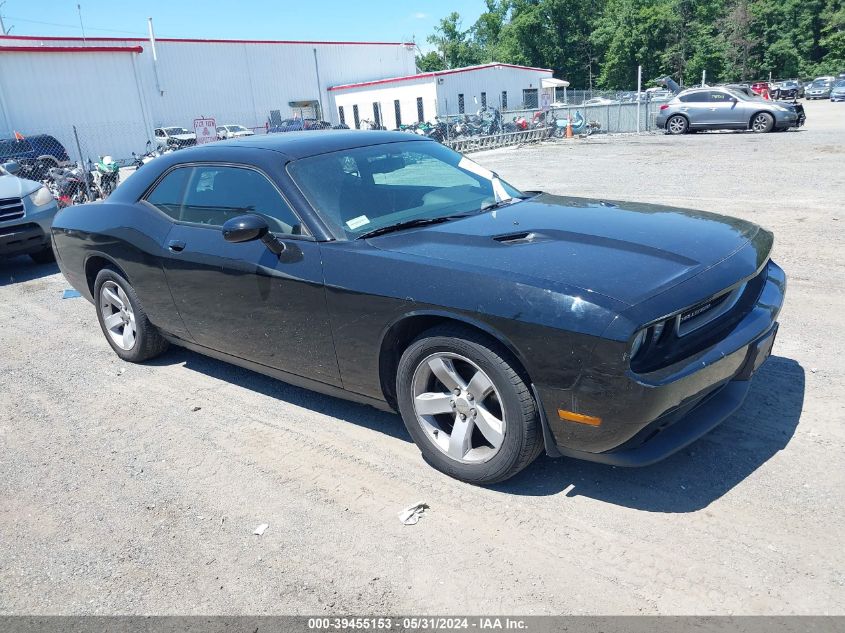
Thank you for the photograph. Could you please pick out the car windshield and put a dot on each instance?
(839, 84)
(820, 84)
(176, 130)
(237, 128)
(359, 190)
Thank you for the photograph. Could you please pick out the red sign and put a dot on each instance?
(205, 130)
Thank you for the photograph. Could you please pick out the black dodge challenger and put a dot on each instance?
(385, 268)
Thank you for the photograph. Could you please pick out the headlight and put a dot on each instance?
(41, 197)
(637, 342)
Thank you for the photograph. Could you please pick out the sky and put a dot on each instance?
(364, 20)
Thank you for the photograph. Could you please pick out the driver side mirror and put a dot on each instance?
(247, 228)
(12, 167)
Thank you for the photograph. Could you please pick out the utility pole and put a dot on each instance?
(81, 26)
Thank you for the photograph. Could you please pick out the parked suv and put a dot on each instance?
(725, 109)
(34, 154)
(27, 209)
(174, 137)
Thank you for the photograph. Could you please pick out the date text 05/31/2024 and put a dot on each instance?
(416, 623)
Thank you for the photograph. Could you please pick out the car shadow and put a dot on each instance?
(695, 477)
(365, 416)
(685, 482)
(17, 269)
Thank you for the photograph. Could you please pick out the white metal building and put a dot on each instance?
(421, 97)
(115, 91)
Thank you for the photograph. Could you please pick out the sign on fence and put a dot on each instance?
(205, 130)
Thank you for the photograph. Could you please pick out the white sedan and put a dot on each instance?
(233, 131)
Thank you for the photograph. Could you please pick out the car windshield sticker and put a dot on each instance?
(466, 163)
(357, 223)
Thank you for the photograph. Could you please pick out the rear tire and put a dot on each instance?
(677, 124)
(449, 372)
(123, 321)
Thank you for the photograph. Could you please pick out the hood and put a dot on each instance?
(622, 250)
(183, 137)
(14, 187)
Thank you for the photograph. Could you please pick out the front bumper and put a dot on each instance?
(646, 418)
(30, 233)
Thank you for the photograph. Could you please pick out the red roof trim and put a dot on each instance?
(71, 49)
(54, 38)
(438, 73)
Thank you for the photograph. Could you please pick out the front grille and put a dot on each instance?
(11, 209)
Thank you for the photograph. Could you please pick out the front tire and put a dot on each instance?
(762, 122)
(677, 124)
(467, 406)
(123, 320)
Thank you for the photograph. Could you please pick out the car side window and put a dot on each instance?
(695, 97)
(217, 193)
(170, 191)
(719, 97)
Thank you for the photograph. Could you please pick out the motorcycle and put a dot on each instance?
(106, 174)
(69, 186)
(146, 157)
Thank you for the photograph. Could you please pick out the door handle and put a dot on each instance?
(176, 246)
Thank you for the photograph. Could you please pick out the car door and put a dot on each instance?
(696, 106)
(724, 111)
(240, 298)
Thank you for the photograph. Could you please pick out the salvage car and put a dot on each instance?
(388, 269)
(837, 93)
(819, 89)
(27, 209)
(720, 108)
(174, 137)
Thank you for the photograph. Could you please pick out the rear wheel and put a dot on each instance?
(467, 407)
(677, 124)
(123, 320)
(762, 122)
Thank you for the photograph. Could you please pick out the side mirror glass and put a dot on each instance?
(12, 167)
(245, 228)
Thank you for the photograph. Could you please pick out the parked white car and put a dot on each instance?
(174, 137)
(233, 131)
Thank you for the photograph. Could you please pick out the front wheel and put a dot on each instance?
(467, 406)
(762, 122)
(123, 320)
(677, 124)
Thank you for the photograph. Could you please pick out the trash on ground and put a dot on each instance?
(261, 529)
(412, 514)
(195, 408)
(70, 293)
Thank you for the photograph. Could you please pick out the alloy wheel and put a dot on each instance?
(761, 122)
(118, 315)
(458, 407)
(676, 125)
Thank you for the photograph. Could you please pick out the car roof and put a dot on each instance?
(297, 145)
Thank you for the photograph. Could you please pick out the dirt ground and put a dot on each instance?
(136, 488)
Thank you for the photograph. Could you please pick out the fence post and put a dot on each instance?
(82, 164)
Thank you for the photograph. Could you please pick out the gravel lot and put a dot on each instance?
(136, 488)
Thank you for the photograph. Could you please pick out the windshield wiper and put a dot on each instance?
(502, 203)
(407, 224)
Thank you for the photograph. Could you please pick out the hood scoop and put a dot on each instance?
(522, 237)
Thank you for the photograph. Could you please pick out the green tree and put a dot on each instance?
(456, 46)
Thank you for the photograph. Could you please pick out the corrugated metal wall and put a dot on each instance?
(234, 82)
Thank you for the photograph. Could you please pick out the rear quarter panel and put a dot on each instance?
(130, 236)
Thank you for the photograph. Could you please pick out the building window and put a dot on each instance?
(397, 110)
(342, 115)
(460, 104)
(355, 116)
(420, 115)
(529, 98)
(504, 99)
(377, 114)
(483, 100)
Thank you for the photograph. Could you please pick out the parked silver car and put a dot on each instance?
(819, 89)
(724, 109)
(837, 93)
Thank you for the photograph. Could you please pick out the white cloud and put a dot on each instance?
(419, 15)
